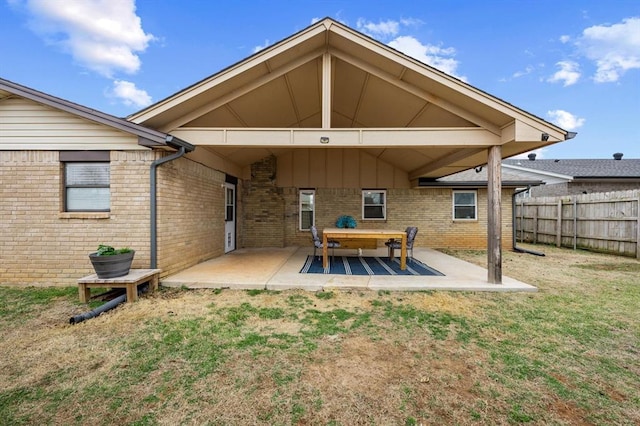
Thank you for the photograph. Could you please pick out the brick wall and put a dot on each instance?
(263, 207)
(40, 246)
(430, 209)
(190, 214)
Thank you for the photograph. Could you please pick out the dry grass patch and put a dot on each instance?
(567, 354)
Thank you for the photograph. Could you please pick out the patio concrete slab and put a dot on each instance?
(279, 269)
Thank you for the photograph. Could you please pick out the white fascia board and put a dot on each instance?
(463, 137)
(537, 172)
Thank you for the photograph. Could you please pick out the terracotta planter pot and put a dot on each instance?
(114, 266)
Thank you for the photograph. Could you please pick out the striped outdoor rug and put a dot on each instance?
(361, 265)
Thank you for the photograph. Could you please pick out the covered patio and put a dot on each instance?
(279, 269)
(333, 111)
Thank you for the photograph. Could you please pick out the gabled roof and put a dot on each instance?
(147, 137)
(580, 168)
(365, 73)
(331, 77)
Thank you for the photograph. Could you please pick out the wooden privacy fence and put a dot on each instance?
(605, 222)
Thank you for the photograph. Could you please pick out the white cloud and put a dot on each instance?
(565, 119)
(258, 48)
(382, 29)
(435, 56)
(129, 94)
(528, 70)
(615, 49)
(565, 39)
(411, 22)
(102, 35)
(568, 74)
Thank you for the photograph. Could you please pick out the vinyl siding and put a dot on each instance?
(27, 125)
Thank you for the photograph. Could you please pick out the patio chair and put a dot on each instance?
(411, 231)
(317, 242)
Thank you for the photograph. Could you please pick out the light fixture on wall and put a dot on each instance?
(324, 139)
(545, 137)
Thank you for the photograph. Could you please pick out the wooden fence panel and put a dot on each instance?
(605, 222)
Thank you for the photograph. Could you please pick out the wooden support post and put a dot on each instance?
(326, 90)
(494, 215)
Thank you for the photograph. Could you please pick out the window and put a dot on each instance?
(374, 204)
(86, 181)
(465, 205)
(307, 208)
(230, 201)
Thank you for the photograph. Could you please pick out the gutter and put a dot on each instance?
(513, 225)
(183, 148)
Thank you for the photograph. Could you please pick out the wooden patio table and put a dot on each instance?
(355, 233)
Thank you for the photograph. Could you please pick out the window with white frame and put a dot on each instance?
(86, 178)
(307, 207)
(374, 204)
(465, 205)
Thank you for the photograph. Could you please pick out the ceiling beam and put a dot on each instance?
(458, 155)
(452, 137)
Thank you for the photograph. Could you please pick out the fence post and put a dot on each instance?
(559, 225)
(575, 222)
(522, 221)
(535, 225)
(638, 230)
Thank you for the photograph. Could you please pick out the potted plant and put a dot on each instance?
(109, 262)
(346, 221)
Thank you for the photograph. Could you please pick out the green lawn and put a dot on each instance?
(568, 354)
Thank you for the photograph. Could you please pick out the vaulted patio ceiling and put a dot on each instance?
(329, 80)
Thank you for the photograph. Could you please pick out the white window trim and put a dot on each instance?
(384, 205)
(313, 222)
(475, 207)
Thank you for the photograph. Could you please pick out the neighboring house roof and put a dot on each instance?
(360, 93)
(578, 169)
(477, 178)
(147, 137)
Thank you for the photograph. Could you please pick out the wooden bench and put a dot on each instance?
(129, 281)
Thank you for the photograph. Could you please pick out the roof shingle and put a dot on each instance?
(582, 168)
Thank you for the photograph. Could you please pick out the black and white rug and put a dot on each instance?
(366, 265)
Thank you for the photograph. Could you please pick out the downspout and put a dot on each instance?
(183, 148)
(513, 226)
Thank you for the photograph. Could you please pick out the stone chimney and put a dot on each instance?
(618, 156)
(532, 157)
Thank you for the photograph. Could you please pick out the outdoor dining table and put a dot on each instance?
(359, 233)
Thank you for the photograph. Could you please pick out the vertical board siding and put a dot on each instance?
(337, 168)
(606, 222)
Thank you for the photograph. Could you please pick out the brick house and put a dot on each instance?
(327, 122)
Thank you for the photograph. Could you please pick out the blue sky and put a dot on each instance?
(574, 63)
